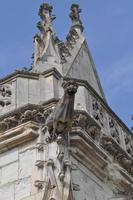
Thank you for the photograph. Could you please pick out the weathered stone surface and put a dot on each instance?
(9, 173)
(27, 146)
(26, 163)
(73, 156)
(7, 192)
(8, 157)
(22, 189)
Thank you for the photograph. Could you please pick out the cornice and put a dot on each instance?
(18, 135)
(52, 71)
(17, 73)
(91, 154)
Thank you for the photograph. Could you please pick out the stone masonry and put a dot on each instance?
(59, 139)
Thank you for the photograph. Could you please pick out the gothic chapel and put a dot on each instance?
(59, 139)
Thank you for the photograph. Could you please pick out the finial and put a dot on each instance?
(75, 16)
(45, 11)
(41, 41)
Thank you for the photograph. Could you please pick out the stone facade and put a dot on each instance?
(59, 139)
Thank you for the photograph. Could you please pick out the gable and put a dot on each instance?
(83, 68)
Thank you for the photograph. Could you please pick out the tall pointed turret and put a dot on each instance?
(72, 57)
(46, 53)
(80, 64)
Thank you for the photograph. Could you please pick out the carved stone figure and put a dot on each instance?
(61, 119)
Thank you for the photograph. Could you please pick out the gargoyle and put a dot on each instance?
(60, 119)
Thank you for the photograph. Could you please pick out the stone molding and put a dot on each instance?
(39, 114)
(94, 157)
(18, 135)
(19, 73)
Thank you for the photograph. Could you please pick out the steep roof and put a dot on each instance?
(71, 58)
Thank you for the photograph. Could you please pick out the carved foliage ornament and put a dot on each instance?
(5, 95)
(119, 155)
(98, 112)
(81, 120)
(114, 130)
(36, 115)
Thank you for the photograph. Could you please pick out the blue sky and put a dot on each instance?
(108, 31)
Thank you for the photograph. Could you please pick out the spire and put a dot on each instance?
(45, 49)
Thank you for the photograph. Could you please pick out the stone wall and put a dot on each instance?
(87, 186)
(16, 172)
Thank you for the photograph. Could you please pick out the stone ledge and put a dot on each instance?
(87, 152)
(91, 154)
(18, 135)
(19, 73)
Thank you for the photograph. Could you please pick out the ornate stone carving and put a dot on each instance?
(129, 143)
(61, 119)
(74, 15)
(108, 145)
(98, 112)
(118, 153)
(71, 38)
(94, 132)
(59, 124)
(45, 26)
(5, 95)
(36, 115)
(80, 120)
(114, 130)
(64, 51)
(39, 184)
(83, 121)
